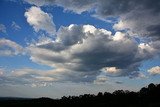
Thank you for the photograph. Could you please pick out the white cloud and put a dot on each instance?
(121, 25)
(40, 20)
(15, 26)
(112, 70)
(154, 70)
(119, 36)
(2, 28)
(10, 48)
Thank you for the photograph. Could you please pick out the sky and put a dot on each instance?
(55, 48)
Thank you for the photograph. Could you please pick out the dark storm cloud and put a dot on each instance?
(140, 16)
(119, 7)
(155, 31)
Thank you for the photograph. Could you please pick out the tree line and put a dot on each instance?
(147, 97)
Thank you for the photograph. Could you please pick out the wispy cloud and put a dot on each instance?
(15, 26)
(2, 28)
(10, 48)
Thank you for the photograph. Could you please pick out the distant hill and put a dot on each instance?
(13, 98)
(147, 97)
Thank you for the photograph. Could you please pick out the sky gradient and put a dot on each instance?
(55, 48)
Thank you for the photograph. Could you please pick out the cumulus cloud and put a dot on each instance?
(40, 20)
(111, 71)
(15, 26)
(2, 28)
(10, 48)
(154, 70)
(87, 51)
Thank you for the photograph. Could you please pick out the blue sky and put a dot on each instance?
(52, 48)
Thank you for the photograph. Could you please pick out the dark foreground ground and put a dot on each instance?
(146, 97)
